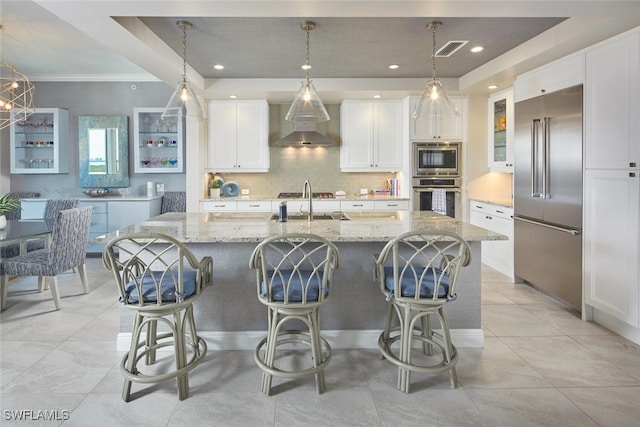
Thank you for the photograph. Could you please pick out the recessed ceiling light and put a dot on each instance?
(377, 96)
(493, 87)
(477, 49)
(219, 67)
(232, 96)
(394, 66)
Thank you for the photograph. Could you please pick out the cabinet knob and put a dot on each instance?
(632, 174)
(632, 164)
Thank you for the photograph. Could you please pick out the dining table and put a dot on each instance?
(21, 231)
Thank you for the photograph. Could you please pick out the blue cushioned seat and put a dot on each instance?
(167, 287)
(295, 284)
(408, 282)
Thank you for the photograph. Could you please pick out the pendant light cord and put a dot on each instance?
(433, 57)
(184, 53)
(307, 63)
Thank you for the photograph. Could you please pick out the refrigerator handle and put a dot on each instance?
(572, 231)
(545, 158)
(535, 123)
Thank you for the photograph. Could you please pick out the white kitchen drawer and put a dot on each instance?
(391, 205)
(491, 209)
(253, 206)
(32, 208)
(326, 205)
(357, 205)
(219, 206)
(96, 207)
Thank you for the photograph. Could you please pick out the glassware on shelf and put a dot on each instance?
(173, 162)
(164, 161)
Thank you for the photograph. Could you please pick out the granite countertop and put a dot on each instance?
(259, 198)
(507, 203)
(234, 227)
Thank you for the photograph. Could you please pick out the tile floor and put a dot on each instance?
(541, 366)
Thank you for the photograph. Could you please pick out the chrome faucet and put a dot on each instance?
(306, 192)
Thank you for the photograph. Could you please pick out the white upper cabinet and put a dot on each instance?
(444, 128)
(501, 132)
(560, 74)
(371, 134)
(158, 145)
(612, 104)
(238, 136)
(39, 145)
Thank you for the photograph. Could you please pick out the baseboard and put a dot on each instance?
(359, 339)
(619, 327)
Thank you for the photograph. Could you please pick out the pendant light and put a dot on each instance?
(183, 95)
(434, 101)
(16, 96)
(307, 106)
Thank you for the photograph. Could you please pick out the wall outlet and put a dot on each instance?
(159, 188)
(245, 192)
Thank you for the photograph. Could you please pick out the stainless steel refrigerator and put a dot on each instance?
(548, 193)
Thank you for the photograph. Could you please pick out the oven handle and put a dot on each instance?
(430, 189)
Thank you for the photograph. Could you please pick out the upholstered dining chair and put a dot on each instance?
(417, 272)
(174, 201)
(51, 209)
(67, 250)
(159, 279)
(294, 275)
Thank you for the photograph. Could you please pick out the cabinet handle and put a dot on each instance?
(632, 174)
(392, 204)
(219, 206)
(479, 207)
(357, 206)
(632, 164)
(488, 217)
(499, 211)
(254, 206)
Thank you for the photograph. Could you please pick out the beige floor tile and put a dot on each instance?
(608, 406)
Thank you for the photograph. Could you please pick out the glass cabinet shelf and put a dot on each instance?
(501, 131)
(159, 144)
(39, 143)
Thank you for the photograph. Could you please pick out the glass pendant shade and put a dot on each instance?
(435, 102)
(307, 106)
(185, 101)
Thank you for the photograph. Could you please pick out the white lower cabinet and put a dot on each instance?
(301, 205)
(110, 215)
(497, 254)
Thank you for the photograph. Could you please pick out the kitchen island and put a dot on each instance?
(229, 315)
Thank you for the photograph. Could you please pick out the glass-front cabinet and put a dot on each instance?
(158, 143)
(501, 131)
(39, 143)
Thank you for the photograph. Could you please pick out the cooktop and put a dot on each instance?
(294, 195)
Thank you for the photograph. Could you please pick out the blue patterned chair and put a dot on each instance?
(174, 201)
(409, 269)
(294, 273)
(68, 249)
(51, 209)
(159, 279)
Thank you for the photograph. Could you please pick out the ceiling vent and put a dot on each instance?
(450, 48)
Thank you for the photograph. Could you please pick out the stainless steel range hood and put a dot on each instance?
(305, 134)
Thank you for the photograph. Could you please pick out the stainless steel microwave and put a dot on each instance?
(436, 158)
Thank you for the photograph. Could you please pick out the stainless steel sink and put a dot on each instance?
(337, 216)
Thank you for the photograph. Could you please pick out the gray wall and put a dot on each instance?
(92, 99)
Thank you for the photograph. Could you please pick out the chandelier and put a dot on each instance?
(434, 101)
(16, 95)
(183, 94)
(307, 105)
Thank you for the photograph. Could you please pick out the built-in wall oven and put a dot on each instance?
(438, 194)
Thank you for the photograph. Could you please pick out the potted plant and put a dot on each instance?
(214, 188)
(8, 203)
